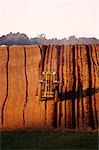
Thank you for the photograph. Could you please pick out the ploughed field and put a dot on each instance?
(77, 103)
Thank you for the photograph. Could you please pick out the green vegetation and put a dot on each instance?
(29, 140)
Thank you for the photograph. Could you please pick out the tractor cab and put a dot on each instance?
(48, 85)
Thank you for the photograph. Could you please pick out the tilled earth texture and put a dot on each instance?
(77, 103)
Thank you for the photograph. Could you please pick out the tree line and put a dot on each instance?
(23, 39)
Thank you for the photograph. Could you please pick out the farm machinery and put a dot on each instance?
(49, 85)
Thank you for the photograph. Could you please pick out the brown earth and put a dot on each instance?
(77, 106)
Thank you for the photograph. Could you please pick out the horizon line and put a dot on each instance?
(47, 37)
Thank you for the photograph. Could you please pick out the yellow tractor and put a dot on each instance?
(49, 85)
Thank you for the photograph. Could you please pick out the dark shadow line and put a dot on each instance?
(96, 118)
(89, 52)
(3, 106)
(43, 54)
(61, 87)
(26, 98)
(71, 94)
(74, 87)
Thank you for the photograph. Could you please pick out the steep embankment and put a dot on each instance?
(77, 67)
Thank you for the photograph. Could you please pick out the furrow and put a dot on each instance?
(54, 68)
(26, 98)
(91, 119)
(77, 74)
(58, 78)
(67, 86)
(45, 69)
(3, 106)
(64, 78)
(73, 88)
(81, 121)
(61, 85)
(94, 100)
(97, 54)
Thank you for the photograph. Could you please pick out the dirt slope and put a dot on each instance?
(77, 105)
